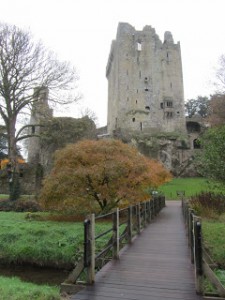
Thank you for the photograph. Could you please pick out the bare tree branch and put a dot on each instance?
(25, 65)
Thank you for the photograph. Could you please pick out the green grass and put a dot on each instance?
(191, 186)
(14, 289)
(43, 243)
(39, 242)
(214, 240)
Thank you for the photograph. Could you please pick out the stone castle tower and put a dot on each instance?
(40, 112)
(145, 82)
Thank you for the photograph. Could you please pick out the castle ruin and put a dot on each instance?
(146, 97)
(145, 82)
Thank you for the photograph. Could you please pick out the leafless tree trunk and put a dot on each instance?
(25, 65)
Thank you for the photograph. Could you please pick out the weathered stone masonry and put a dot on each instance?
(145, 82)
(146, 97)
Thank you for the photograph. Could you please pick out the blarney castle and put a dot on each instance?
(145, 108)
(146, 97)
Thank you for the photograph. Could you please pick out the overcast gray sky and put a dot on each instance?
(81, 31)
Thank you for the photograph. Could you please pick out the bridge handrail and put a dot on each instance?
(203, 264)
(134, 218)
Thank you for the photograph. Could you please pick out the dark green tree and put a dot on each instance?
(199, 106)
(211, 159)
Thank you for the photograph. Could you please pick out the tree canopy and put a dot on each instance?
(199, 106)
(93, 176)
(211, 159)
(26, 65)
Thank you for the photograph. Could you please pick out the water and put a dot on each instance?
(37, 275)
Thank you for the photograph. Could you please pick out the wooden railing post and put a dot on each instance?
(129, 224)
(138, 218)
(191, 232)
(153, 208)
(144, 214)
(116, 234)
(149, 211)
(91, 238)
(198, 254)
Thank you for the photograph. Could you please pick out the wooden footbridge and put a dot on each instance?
(157, 265)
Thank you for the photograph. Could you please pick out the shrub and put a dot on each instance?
(208, 204)
(100, 175)
(20, 206)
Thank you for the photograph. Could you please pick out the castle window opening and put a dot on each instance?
(139, 46)
(146, 79)
(161, 105)
(169, 103)
(141, 126)
(133, 119)
(169, 114)
(196, 144)
(146, 89)
(33, 129)
(136, 101)
(147, 107)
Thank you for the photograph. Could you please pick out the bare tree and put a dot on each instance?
(25, 65)
(216, 116)
(220, 76)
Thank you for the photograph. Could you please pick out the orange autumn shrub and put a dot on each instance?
(5, 161)
(99, 175)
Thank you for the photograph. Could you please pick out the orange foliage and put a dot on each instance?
(5, 161)
(99, 175)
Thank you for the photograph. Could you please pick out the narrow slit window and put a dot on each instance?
(133, 119)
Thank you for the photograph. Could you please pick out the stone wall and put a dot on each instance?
(30, 180)
(145, 82)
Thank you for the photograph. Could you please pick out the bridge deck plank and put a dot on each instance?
(156, 266)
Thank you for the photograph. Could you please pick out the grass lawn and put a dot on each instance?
(43, 243)
(214, 240)
(15, 289)
(39, 242)
(191, 186)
